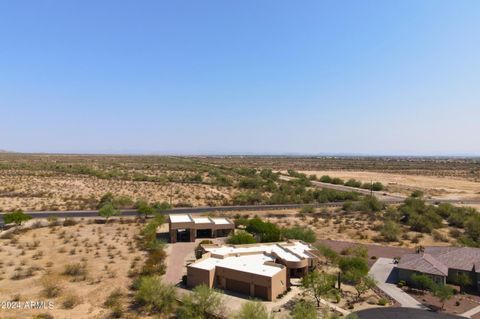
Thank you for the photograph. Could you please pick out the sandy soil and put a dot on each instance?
(432, 186)
(107, 251)
(22, 190)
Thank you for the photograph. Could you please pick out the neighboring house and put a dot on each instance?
(189, 228)
(442, 264)
(256, 270)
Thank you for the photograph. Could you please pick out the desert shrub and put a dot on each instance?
(300, 233)
(390, 231)
(422, 282)
(105, 199)
(331, 255)
(353, 268)
(202, 303)
(247, 198)
(417, 194)
(70, 301)
(155, 296)
(241, 237)
(307, 209)
(377, 186)
(265, 231)
(356, 251)
(438, 236)
(337, 181)
(114, 298)
(17, 217)
(44, 315)
(382, 302)
(51, 286)
(79, 271)
(155, 263)
(455, 233)
(353, 183)
(304, 310)
(250, 183)
(107, 211)
(268, 174)
(161, 206)
(369, 204)
(144, 208)
(253, 310)
(325, 179)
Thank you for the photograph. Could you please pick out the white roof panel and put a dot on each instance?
(286, 251)
(220, 221)
(254, 264)
(180, 219)
(201, 220)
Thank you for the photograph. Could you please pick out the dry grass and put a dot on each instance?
(446, 187)
(77, 283)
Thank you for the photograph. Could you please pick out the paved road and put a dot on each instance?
(187, 210)
(380, 195)
(383, 196)
(383, 272)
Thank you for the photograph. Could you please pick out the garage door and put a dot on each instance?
(238, 286)
(261, 292)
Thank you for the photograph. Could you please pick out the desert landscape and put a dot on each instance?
(72, 182)
(75, 264)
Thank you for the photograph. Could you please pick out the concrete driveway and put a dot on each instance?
(383, 272)
(177, 255)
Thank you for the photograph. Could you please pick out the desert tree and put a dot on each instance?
(443, 293)
(17, 217)
(363, 285)
(143, 208)
(108, 211)
(320, 284)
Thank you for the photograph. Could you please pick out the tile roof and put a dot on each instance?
(437, 260)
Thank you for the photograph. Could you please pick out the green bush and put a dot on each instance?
(325, 179)
(382, 301)
(353, 183)
(17, 217)
(390, 231)
(337, 181)
(241, 237)
(202, 303)
(304, 310)
(299, 233)
(265, 231)
(155, 296)
(253, 310)
(353, 268)
(247, 198)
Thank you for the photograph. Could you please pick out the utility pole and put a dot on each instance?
(171, 196)
(371, 188)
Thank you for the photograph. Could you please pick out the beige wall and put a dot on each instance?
(276, 285)
(196, 277)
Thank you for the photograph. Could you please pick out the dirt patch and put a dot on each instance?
(402, 184)
(98, 258)
(458, 304)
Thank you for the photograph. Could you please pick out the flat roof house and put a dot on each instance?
(188, 228)
(256, 270)
(442, 264)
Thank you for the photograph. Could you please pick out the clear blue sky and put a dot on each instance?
(365, 77)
